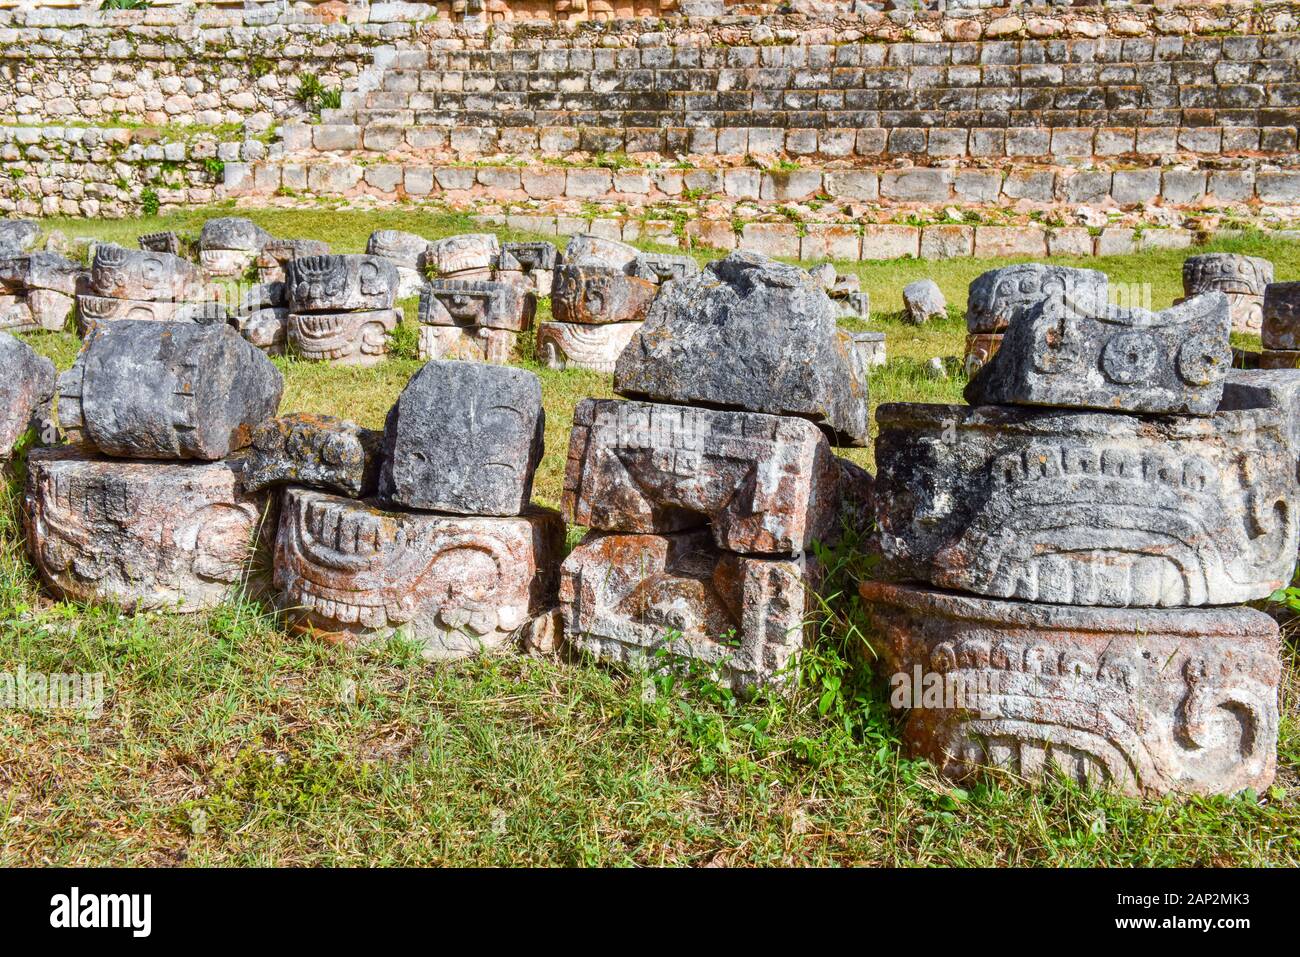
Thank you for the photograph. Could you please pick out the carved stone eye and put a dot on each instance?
(1129, 358)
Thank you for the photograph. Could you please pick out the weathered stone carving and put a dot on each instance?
(763, 484)
(995, 297)
(26, 387)
(565, 345)
(869, 347)
(43, 282)
(1146, 701)
(458, 585)
(593, 251)
(334, 284)
(96, 309)
(470, 256)
(591, 295)
(144, 535)
(172, 390)
(534, 262)
(494, 414)
(347, 338)
(276, 253)
(980, 349)
(1241, 278)
(119, 273)
(663, 267)
(268, 329)
(406, 251)
(1095, 508)
(751, 334)
(228, 245)
(167, 242)
(318, 451)
(476, 303)
(18, 235)
(1068, 355)
(1281, 323)
(626, 598)
(477, 344)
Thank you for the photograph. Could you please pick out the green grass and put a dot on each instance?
(227, 741)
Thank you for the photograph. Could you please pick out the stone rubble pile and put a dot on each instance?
(703, 502)
(144, 508)
(341, 308)
(845, 291)
(1063, 556)
(450, 550)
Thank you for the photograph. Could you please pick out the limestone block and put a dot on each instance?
(870, 348)
(142, 535)
(1090, 508)
(39, 270)
(997, 296)
(18, 235)
(471, 303)
(26, 388)
(357, 338)
(565, 345)
(587, 250)
(663, 267)
(318, 451)
(471, 256)
(1241, 278)
(118, 273)
(476, 344)
(167, 390)
(1144, 701)
(335, 284)
(599, 294)
(628, 598)
(728, 337)
(923, 301)
(229, 245)
(534, 262)
(1281, 323)
(980, 348)
(457, 585)
(495, 414)
(267, 329)
(1075, 355)
(165, 242)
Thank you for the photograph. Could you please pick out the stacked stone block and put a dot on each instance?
(37, 291)
(1241, 278)
(229, 245)
(145, 509)
(449, 552)
(341, 308)
(129, 284)
(1280, 334)
(1064, 555)
(703, 502)
(406, 251)
(26, 388)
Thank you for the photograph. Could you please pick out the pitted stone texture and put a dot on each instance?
(471, 256)
(594, 251)
(473, 303)
(573, 345)
(628, 598)
(594, 294)
(1145, 701)
(762, 484)
(1241, 278)
(534, 262)
(997, 296)
(264, 295)
(318, 451)
(96, 309)
(229, 245)
(49, 309)
(870, 348)
(39, 270)
(143, 535)
(663, 267)
(1281, 326)
(277, 253)
(922, 301)
(457, 585)
(406, 252)
(26, 387)
(18, 235)
(357, 338)
(1090, 508)
(334, 284)
(980, 349)
(1060, 354)
(167, 242)
(119, 273)
(477, 344)
(749, 334)
(175, 390)
(464, 438)
(267, 329)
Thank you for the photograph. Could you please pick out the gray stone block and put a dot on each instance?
(330, 284)
(26, 388)
(477, 303)
(318, 451)
(600, 294)
(923, 301)
(997, 296)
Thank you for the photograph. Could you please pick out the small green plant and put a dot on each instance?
(149, 202)
(124, 5)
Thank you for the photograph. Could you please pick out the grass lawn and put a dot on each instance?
(226, 741)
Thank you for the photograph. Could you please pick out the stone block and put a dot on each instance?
(629, 599)
(496, 414)
(167, 390)
(456, 585)
(1132, 186)
(26, 388)
(276, 253)
(1090, 508)
(1147, 702)
(317, 451)
(725, 339)
(923, 301)
(890, 241)
(469, 303)
(476, 344)
(870, 347)
(565, 345)
(1242, 279)
(980, 348)
(917, 185)
(1003, 241)
(996, 297)
(1081, 353)
(267, 329)
(663, 267)
(836, 241)
(596, 251)
(354, 338)
(140, 535)
(228, 245)
(39, 271)
(470, 256)
(947, 242)
(596, 294)
(118, 273)
(18, 235)
(337, 284)
(771, 239)
(1070, 241)
(402, 248)
(762, 484)
(1281, 309)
